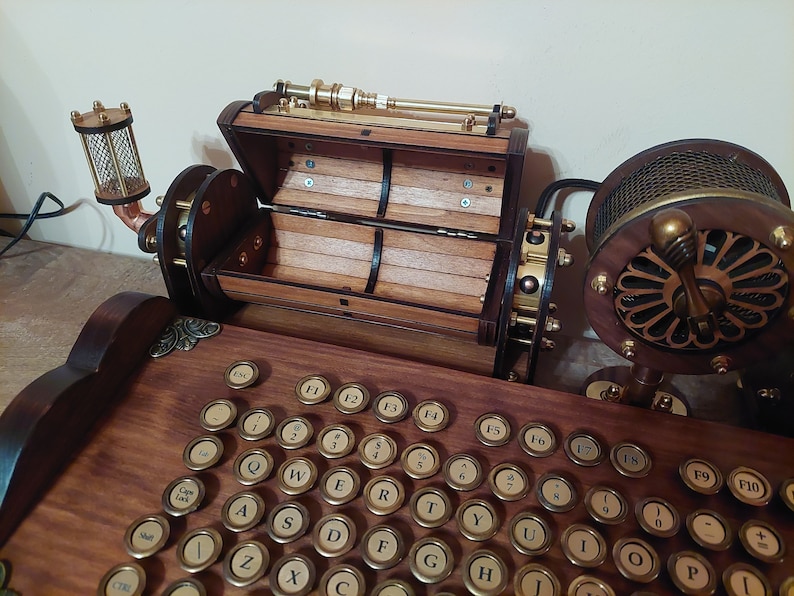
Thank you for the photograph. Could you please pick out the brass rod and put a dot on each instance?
(339, 97)
(117, 167)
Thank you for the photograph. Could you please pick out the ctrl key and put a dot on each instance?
(126, 579)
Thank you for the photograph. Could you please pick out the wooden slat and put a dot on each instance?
(448, 182)
(309, 277)
(362, 206)
(431, 199)
(427, 261)
(330, 263)
(446, 162)
(324, 228)
(384, 136)
(443, 218)
(317, 247)
(400, 314)
(332, 185)
(440, 244)
(431, 280)
(430, 297)
(354, 169)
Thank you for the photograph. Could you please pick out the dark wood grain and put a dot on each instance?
(74, 534)
(43, 426)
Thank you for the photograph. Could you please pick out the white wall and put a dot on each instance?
(596, 80)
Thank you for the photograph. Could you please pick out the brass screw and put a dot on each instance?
(159, 201)
(601, 284)
(243, 260)
(627, 349)
(206, 207)
(782, 237)
(720, 364)
(258, 242)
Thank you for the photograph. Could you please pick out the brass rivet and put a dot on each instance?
(720, 364)
(206, 207)
(601, 284)
(258, 242)
(627, 349)
(243, 260)
(782, 237)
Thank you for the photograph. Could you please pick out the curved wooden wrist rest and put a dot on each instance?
(52, 417)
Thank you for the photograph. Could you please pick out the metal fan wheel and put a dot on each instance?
(743, 260)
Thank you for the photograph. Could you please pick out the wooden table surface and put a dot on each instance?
(47, 293)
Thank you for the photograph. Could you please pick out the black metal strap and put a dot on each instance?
(385, 185)
(377, 249)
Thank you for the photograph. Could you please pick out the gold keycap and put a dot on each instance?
(242, 511)
(312, 389)
(382, 547)
(246, 563)
(217, 414)
(287, 522)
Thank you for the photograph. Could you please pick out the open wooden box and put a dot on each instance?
(404, 228)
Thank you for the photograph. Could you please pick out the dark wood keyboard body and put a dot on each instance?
(74, 534)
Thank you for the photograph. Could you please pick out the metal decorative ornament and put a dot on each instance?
(183, 334)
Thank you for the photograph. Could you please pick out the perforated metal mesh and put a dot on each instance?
(679, 172)
(101, 155)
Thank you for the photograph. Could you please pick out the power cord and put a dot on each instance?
(31, 217)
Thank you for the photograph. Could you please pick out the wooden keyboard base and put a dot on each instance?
(74, 534)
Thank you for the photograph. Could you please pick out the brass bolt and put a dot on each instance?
(664, 403)
(76, 116)
(568, 225)
(771, 394)
(482, 298)
(611, 393)
(627, 349)
(159, 201)
(553, 324)
(512, 376)
(547, 344)
(782, 237)
(720, 364)
(601, 284)
(564, 259)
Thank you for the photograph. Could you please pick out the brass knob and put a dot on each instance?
(674, 237)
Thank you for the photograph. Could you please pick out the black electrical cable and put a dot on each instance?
(32, 216)
(558, 185)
